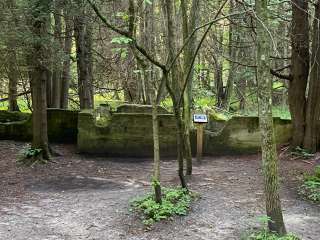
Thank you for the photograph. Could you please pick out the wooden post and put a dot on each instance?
(199, 141)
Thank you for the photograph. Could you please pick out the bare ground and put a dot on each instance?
(85, 197)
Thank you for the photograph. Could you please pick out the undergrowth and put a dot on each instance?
(310, 188)
(175, 202)
(302, 153)
(265, 234)
(31, 157)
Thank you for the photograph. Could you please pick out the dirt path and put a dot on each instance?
(82, 197)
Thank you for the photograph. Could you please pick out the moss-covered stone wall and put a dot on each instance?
(125, 134)
(240, 135)
(62, 125)
(130, 135)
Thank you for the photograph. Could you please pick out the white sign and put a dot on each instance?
(200, 118)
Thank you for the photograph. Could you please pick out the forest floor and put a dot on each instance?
(85, 197)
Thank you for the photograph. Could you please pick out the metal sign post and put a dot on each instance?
(200, 120)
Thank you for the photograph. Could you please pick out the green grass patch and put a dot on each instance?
(310, 189)
(266, 235)
(175, 202)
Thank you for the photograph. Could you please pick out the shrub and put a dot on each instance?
(310, 189)
(265, 234)
(175, 201)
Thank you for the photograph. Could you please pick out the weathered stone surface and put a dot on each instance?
(6, 116)
(241, 135)
(137, 108)
(130, 134)
(62, 126)
(125, 134)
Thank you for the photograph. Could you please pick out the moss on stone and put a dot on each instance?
(137, 108)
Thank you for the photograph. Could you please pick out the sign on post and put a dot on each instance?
(200, 120)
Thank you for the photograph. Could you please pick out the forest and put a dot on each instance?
(160, 119)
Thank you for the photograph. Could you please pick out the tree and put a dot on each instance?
(40, 10)
(299, 70)
(66, 75)
(312, 134)
(189, 23)
(268, 145)
(83, 38)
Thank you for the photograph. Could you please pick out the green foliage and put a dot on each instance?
(303, 153)
(121, 40)
(31, 157)
(265, 234)
(175, 201)
(30, 152)
(277, 111)
(310, 189)
(23, 105)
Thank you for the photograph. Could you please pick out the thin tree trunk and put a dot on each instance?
(232, 68)
(156, 148)
(188, 25)
(58, 45)
(174, 89)
(83, 60)
(13, 79)
(268, 146)
(13, 74)
(66, 75)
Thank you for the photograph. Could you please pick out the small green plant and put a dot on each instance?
(310, 188)
(31, 157)
(303, 153)
(175, 201)
(265, 234)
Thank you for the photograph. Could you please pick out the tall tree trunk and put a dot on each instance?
(13, 78)
(13, 74)
(268, 146)
(83, 60)
(174, 87)
(39, 75)
(311, 138)
(66, 75)
(58, 45)
(232, 68)
(299, 69)
(188, 25)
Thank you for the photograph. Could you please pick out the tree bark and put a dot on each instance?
(84, 66)
(57, 62)
(66, 75)
(156, 157)
(13, 78)
(268, 145)
(299, 70)
(13, 74)
(188, 25)
(311, 138)
(39, 77)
